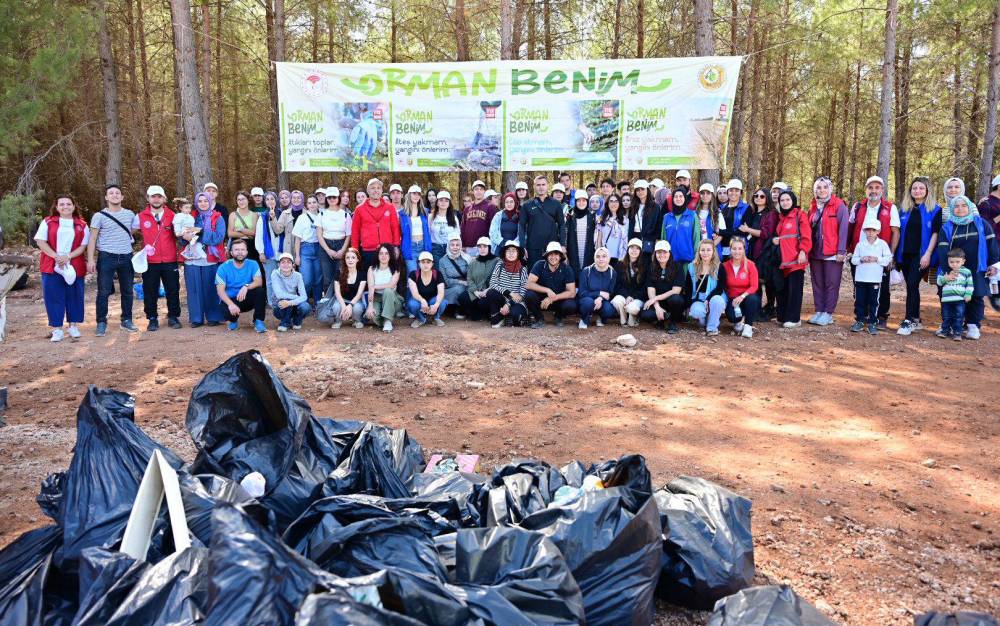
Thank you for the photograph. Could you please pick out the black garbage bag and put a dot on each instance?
(707, 543)
(349, 536)
(100, 486)
(106, 578)
(457, 487)
(523, 567)
(338, 608)
(243, 419)
(770, 605)
(173, 591)
(517, 490)
(25, 565)
(254, 578)
(574, 472)
(50, 496)
(379, 461)
(203, 492)
(614, 554)
(630, 473)
(961, 618)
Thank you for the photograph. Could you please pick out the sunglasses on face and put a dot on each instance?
(759, 195)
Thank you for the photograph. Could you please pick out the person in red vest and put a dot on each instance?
(829, 219)
(794, 240)
(62, 237)
(887, 214)
(375, 222)
(156, 223)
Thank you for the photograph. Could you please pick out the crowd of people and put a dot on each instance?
(629, 251)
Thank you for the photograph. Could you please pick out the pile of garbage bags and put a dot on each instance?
(344, 528)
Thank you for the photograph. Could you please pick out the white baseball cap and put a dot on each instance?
(443, 194)
(372, 181)
(478, 183)
(662, 244)
(484, 241)
(683, 174)
(395, 187)
(780, 185)
(559, 187)
(656, 182)
(521, 185)
(285, 255)
(554, 246)
(874, 179)
(208, 186)
(414, 189)
(873, 224)
(735, 183)
(156, 190)
(321, 190)
(332, 191)
(635, 241)
(256, 191)
(640, 184)
(490, 193)
(425, 256)
(706, 187)
(995, 182)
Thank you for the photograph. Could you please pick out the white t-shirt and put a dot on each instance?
(64, 236)
(305, 227)
(441, 231)
(334, 224)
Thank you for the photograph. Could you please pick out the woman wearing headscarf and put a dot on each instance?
(664, 285)
(611, 230)
(595, 288)
(507, 285)
(829, 220)
(504, 225)
(473, 302)
(794, 240)
(919, 225)
(965, 229)
(62, 237)
(580, 226)
(454, 270)
(203, 304)
(680, 227)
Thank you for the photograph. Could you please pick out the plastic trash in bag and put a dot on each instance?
(243, 419)
(525, 568)
(707, 543)
(174, 591)
(630, 473)
(338, 608)
(103, 478)
(457, 487)
(614, 554)
(961, 618)
(517, 490)
(106, 578)
(380, 461)
(770, 605)
(24, 570)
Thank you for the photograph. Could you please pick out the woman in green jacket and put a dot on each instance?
(472, 302)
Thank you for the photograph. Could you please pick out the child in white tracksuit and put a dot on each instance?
(871, 256)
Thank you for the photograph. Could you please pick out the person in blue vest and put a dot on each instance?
(733, 212)
(596, 288)
(680, 227)
(415, 231)
(704, 288)
(919, 225)
(965, 229)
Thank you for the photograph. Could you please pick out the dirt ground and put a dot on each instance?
(871, 461)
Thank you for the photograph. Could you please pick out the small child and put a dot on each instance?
(183, 219)
(871, 256)
(956, 289)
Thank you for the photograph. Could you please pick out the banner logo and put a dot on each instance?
(712, 77)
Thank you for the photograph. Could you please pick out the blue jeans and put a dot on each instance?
(953, 317)
(329, 267)
(62, 301)
(586, 308)
(438, 250)
(708, 313)
(312, 272)
(109, 267)
(411, 266)
(866, 299)
(293, 315)
(413, 306)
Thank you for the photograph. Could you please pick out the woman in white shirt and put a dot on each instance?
(333, 231)
(307, 250)
(62, 237)
(443, 222)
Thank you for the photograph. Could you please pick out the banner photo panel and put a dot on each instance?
(506, 115)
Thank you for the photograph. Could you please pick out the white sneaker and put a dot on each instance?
(415, 324)
(387, 327)
(438, 321)
(74, 332)
(600, 322)
(825, 319)
(297, 327)
(747, 332)
(739, 327)
(582, 324)
(337, 324)
(632, 321)
(282, 329)
(359, 324)
(905, 329)
(972, 332)
(816, 318)
(792, 324)
(459, 316)
(57, 334)
(497, 325)
(917, 325)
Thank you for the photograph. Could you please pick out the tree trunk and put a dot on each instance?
(902, 113)
(279, 55)
(956, 94)
(187, 76)
(461, 32)
(616, 34)
(147, 126)
(206, 62)
(854, 131)
(757, 102)
(532, 35)
(547, 27)
(180, 181)
(220, 143)
(113, 167)
(393, 31)
(992, 101)
(972, 138)
(640, 31)
(507, 54)
(827, 164)
(704, 44)
(841, 170)
(888, 77)
(786, 63)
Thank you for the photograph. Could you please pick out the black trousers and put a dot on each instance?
(109, 268)
(866, 299)
(790, 297)
(476, 310)
(912, 275)
(171, 278)
(674, 306)
(749, 310)
(883, 297)
(561, 308)
(255, 301)
(496, 301)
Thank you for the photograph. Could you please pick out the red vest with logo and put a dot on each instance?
(828, 224)
(47, 264)
(160, 236)
(884, 218)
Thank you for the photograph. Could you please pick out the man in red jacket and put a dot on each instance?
(156, 223)
(876, 206)
(375, 222)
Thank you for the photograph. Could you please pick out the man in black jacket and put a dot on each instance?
(541, 221)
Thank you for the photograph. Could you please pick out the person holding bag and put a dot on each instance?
(156, 223)
(62, 237)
